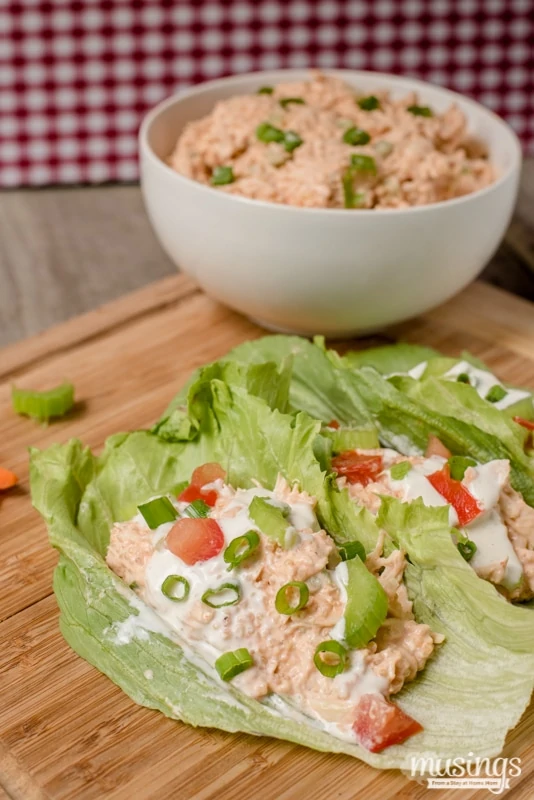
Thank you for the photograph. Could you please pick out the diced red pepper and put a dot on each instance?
(191, 493)
(358, 467)
(525, 423)
(380, 723)
(334, 424)
(195, 540)
(207, 473)
(435, 447)
(456, 494)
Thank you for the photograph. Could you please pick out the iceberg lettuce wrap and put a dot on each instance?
(129, 526)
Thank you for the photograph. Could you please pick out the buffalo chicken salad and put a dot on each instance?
(312, 547)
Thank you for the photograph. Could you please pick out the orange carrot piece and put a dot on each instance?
(7, 479)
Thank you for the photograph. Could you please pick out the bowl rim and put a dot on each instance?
(207, 86)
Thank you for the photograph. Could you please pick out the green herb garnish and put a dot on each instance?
(356, 136)
(467, 549)
(233, 662)
(222, 175)
(287, 101)
(369, 103)
(176, 588)
(197, 509)
(420, 111)
(363, 163)
(292, 597)
(265, 90)
(241, 548)
(330, 658)
(496, 393)
(400, 470)
(214, 598)
(43, 405)
(157, 512)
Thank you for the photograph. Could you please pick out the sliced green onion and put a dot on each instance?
(197, 509)
(350, 550)
(265, 90)
(463, 377)
(268, 133)
(363, 163)
(356, 136)
(241, 548)
(458, 466)
(214, 598)
(157, 512)
(496, 393)
(43, 405)
(352, 199)
(369, 103)
(233, 662)
(176, 588)
(330, 658)
(291, 141)
(467, 549)
(286, 101)
(222, 176)
(400, 470)
(286, 603)
(420, 111)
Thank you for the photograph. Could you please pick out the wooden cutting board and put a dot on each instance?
(65, 730)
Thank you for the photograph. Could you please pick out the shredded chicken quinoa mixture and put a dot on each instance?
(317, 144)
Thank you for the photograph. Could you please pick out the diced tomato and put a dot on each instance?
(435, 447)
(525, 423)
(7, 478)
(333, 424)
(358, 467)
(195, 540)
(207, 473)
(456, 494)
(379, 723)
(191, 493)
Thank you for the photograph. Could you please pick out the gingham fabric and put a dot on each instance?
(77, 77)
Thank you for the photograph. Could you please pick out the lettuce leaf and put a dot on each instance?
(400, 357)
(489, 647)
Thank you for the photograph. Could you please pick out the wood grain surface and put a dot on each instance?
(64, 251)
(66, 732)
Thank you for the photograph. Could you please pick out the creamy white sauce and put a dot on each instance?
(489, 534)
(416, 485)
(418, 371)
(486, 481)
(483, 381)
(340, 576)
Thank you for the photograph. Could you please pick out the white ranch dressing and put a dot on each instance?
(415, 485)
(483, 381)
(485, 482)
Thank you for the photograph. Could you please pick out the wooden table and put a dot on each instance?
(65, 251)
(66, 732)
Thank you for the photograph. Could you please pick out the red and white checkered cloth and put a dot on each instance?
(77, 77)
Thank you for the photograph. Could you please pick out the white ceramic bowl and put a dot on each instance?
(330, 271)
